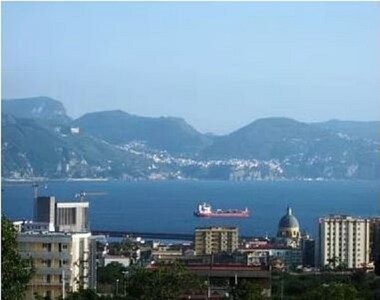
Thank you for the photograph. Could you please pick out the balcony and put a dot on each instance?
(52, 271)
(42, 283)
(47, 255)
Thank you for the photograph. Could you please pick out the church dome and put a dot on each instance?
(288, 221)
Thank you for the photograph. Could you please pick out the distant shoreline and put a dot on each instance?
(44, 179)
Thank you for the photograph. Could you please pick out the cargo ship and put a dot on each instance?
(204, 211)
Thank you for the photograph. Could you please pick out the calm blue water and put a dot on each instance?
(167, 206)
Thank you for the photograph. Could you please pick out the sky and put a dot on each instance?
(218, 65)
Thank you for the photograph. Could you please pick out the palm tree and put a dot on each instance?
(332, 262)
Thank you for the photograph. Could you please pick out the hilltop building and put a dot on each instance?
(343, 241)
(74, 130)
(209, 240)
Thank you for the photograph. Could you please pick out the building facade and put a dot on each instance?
(72, 216)
(291, 257)
(44, 211)
(22, 226)
(308, 252)
(62, 262)
(343, 241)
(209, 240)
(375, 243)
(62, 216)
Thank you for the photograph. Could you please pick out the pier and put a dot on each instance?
(151, 235)
(146, 235)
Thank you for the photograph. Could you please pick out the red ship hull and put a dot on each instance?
(222, 215)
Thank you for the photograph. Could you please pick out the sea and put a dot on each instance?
(168, 206)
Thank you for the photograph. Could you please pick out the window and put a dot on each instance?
(46, 246)
(66, 216)
(46, 262)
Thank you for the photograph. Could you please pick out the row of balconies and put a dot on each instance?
(47, 255)
(44, 283)
(53, 271)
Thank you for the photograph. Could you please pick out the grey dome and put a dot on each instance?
(288, 221)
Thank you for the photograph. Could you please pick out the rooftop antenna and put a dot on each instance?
(82, 194)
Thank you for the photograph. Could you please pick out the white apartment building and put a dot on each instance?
(343, 240)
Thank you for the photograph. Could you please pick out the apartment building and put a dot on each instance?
(210, 240)
(343, 240)
(62, 262)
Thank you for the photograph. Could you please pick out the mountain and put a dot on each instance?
(35, 108)
(39, 140)
(264, 139)
(31, 150)
(166, 133)
(364, 130)
(300, 149)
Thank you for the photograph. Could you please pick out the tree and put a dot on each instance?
(15, 271)
(332, 262)
(83, 294)
(165, 282)
(248, 290)
(377, 265)
(111, 272)
(334, 291)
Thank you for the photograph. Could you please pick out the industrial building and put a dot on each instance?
(62, 216)
(71, 216)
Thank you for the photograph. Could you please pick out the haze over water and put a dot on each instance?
(218, 65)
(167, 206)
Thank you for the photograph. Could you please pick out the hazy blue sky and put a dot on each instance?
(218, 65)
